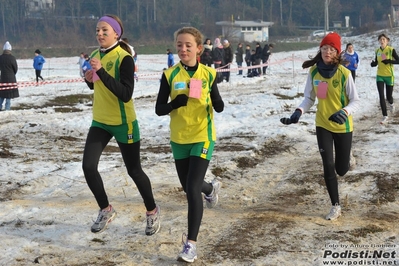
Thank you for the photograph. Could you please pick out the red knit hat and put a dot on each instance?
(332, 39)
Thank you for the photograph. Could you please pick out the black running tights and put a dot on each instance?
(389, 89)
(38, 75)
(191, 172)
(342, 143)
(96, 141)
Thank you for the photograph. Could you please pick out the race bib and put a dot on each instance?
(322, 90)
(195, 88)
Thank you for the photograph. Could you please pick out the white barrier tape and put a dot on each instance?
(34, 83)
(147, 76)
(150, 74)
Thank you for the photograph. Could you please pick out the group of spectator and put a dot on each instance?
(221, 56)
(9, 69)
(257, 56)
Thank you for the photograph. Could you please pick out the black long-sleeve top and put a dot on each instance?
(163, 107)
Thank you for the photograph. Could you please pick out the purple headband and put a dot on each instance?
(113, 23)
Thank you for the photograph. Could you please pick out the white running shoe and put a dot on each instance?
(103, 219)
(189, 252)
(335, 212)
(153, 222)
(352, 162)
(392, 108)
(384, 120)
(213, 198)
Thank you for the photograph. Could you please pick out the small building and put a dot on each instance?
(337, 24)
(36, 7)
(248, 31)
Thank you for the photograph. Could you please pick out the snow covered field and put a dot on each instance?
(273, 200)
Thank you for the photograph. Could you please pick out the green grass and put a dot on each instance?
(293, 46)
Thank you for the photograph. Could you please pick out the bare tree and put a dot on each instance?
(290, 12)
(3, 7)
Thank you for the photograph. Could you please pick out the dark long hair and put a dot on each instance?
(338, 59)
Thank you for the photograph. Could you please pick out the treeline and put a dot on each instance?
(72, 23)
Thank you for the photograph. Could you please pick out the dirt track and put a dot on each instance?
(271, 211)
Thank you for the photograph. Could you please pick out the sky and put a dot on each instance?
(264, 216)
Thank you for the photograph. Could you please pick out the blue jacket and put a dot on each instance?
(353, 60)
(86, 66)
(171, 59)
(38, 62)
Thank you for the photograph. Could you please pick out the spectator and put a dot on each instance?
(266, 52)
(86, 64)
(258, 58)
(218, 58)
(248, 57)
(171, 59)
(206, 56)
(9, 69)
(228, 59)
(239, 57)
(254, 71)
(38, 62)
(80, 63)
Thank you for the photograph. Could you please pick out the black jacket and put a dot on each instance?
(8, 68)
(258, 52)
(247, 55)
(206, 56)
(218, 55)
(266, 53)
(239, 55)
(228, 54)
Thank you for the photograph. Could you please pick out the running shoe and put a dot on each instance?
(153, 222)
(384, 120)
(335, 212)
(213, 198)
(392, 108)
(352, 162)
(189, 252)
(104, 218)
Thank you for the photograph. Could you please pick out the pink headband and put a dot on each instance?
(113, 23)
